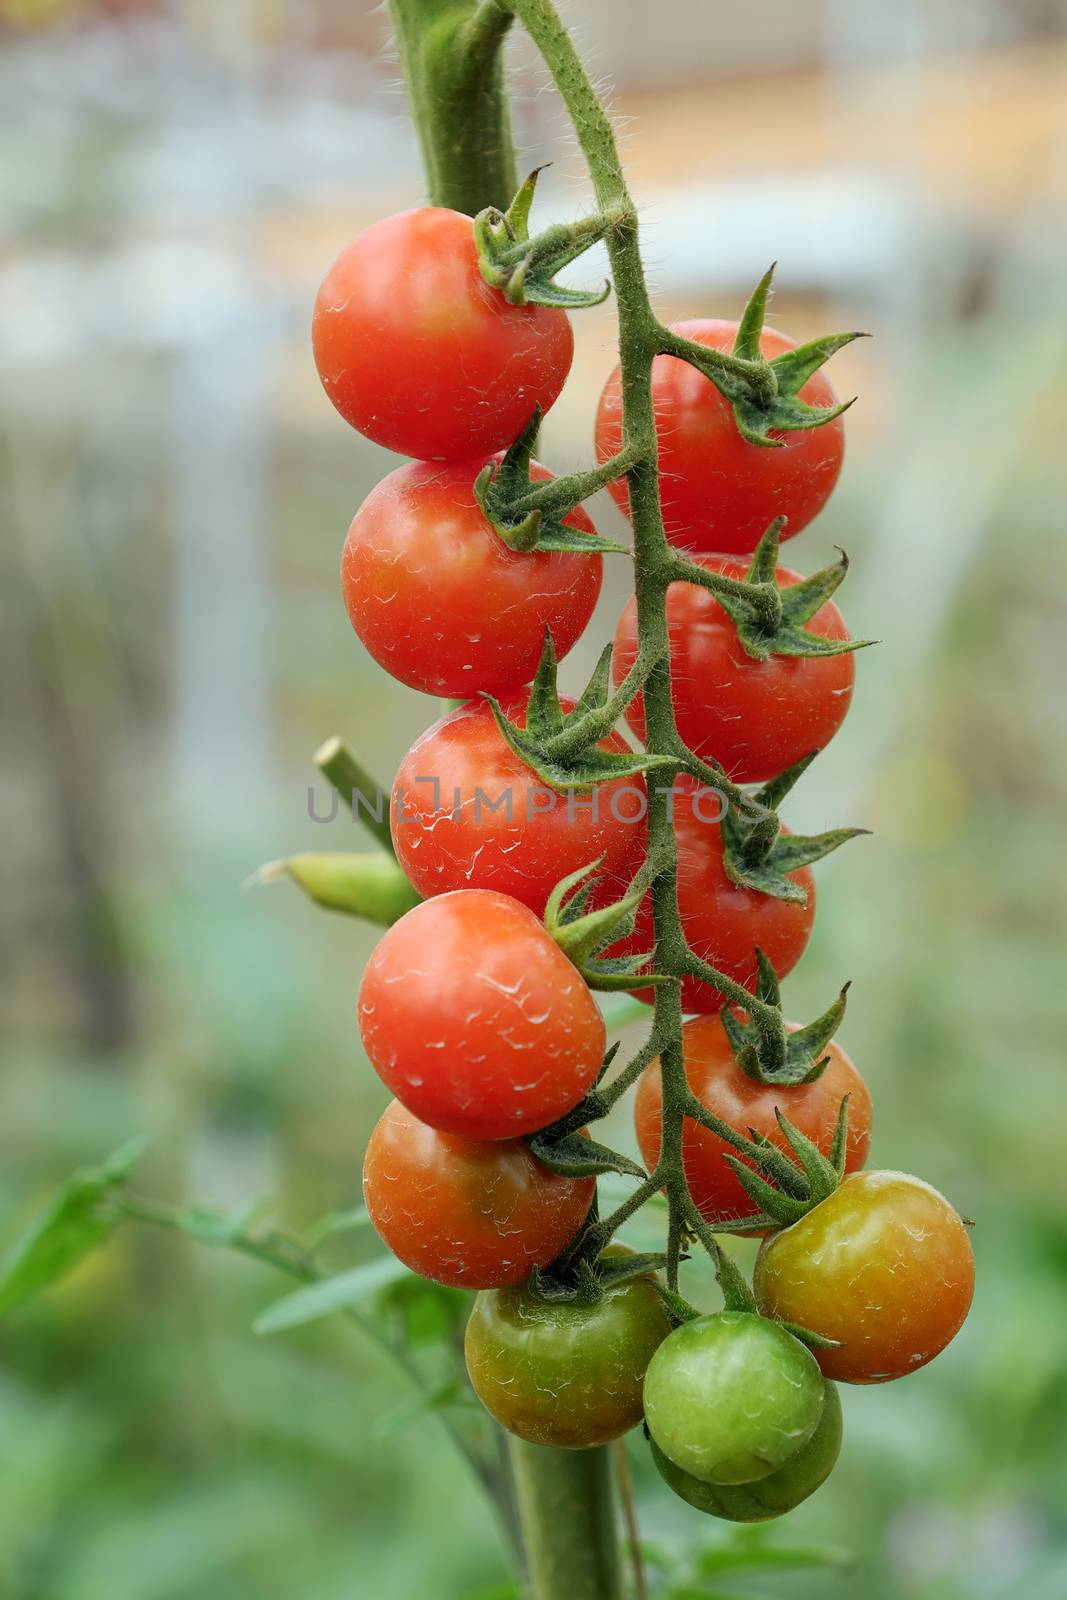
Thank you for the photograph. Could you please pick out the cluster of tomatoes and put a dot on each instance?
(469, 1010)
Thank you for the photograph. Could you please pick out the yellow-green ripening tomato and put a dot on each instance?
(884, 1265)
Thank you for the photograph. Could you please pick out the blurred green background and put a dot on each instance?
(174, 491)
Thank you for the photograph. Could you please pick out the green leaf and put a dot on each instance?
(205, 1225)
(755, 1555)
(336, 1222)
(342, 1292)
(75, 1224)
(450, 1392)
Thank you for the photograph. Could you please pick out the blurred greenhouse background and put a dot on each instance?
(174, 490)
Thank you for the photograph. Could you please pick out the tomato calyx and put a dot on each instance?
(786, 1187)
(532, 516)
(758, 855)
(770, 617)
(582, 1281)
(523, 269)
(763, 395)
(802, 1059)
(581, 934)
(561, 746)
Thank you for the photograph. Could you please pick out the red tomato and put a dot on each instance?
(884, 1266)
(723, 923)
(736, 1099)
(449, 836)
(718, 491)
(472, 1215)
(419, 353)
(441, 601)
(475, 1019)
(755, 718)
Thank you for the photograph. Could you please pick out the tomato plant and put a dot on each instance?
(419, 353)
(780, 1491)
(884, 1266)
(755, 718)
(476, 1020)
(731, 1397)
(468, 814)
(565, 1372)
(718, 490)
(720, 1084)
(472, 1214)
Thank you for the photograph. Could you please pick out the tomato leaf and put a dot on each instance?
(342, 1292)
(76, 1223)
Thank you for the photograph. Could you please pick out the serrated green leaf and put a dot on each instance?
(75, 1224)
(339, 1293)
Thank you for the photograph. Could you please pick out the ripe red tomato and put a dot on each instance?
(565, 1373)
(721, 1085)
(723, 924)
(467, 813)
(883, 1265)
(475, 1019)
(419, 353)
(718, 491)
(472, 1215)
(439, 599)
(755, 718)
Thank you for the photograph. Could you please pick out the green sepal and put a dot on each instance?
(769, 617)
(808, 1336)
(767, 401)
(803, 1060)
(757, 855)
(523, 269)
(500, 487)
(815, 1175)
(613, 1270)
(572, 1155)
(582, 934)
(545, 718)
(678, 1308)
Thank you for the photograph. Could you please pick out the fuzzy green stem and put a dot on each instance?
(567, 1512)
(451, 54)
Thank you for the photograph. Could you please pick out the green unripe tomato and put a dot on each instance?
(731, 1397)
(560, 1372)
(780, 1491)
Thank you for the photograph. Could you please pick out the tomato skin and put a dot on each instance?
(769, 1497)
(730, 1397)
(721, 1085)
(723, 924)
(755, 718)
(443, 844)
(469, 1214)
(420, 354)
(439, 599)
(475, 1019)
(884, 1265)
(717, 491)
(561, 1373)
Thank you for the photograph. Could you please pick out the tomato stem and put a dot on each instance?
(567, 1513)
